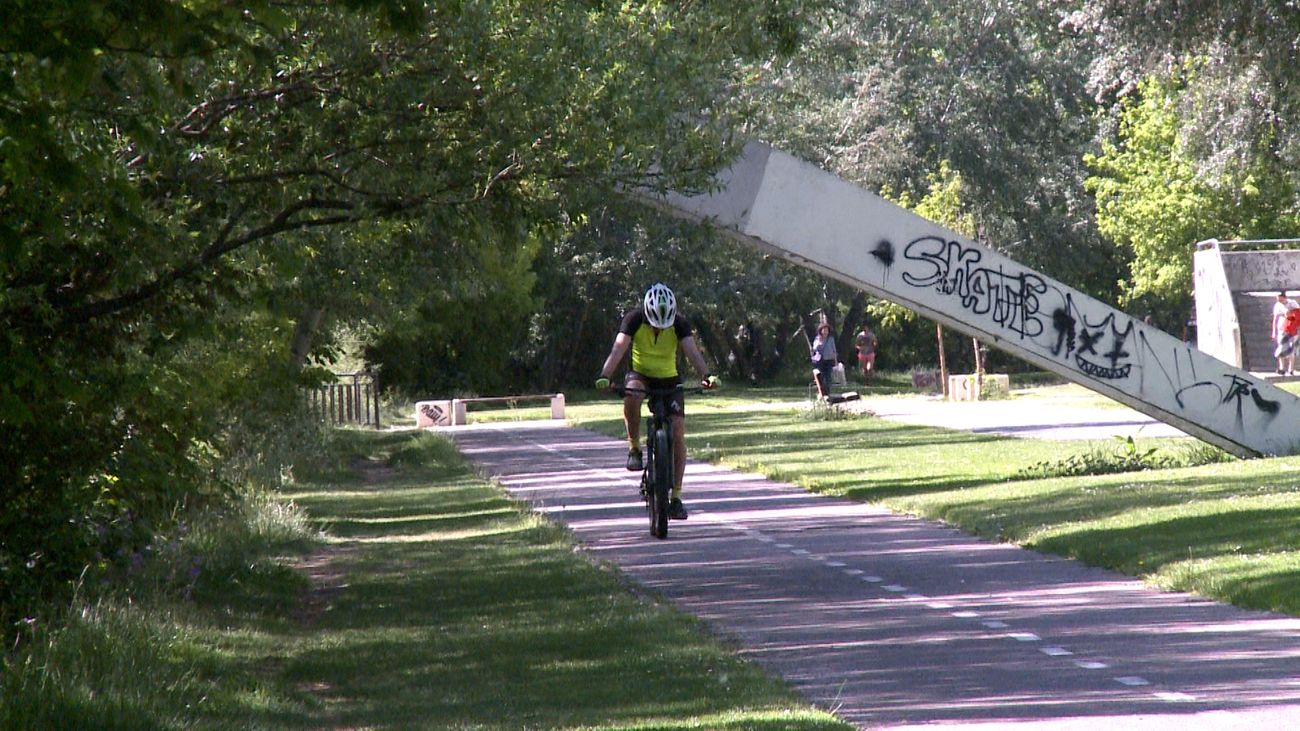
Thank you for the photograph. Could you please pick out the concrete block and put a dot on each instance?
(962, 387)
(432, 413)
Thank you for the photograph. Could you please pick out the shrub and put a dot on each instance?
(1099, 460)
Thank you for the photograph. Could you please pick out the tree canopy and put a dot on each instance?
(190, 191)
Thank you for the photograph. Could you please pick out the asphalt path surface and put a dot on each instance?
(893, 622)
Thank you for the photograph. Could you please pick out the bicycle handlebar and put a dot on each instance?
(624, 390)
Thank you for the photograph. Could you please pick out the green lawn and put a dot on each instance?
(434, 602)
(464, 611)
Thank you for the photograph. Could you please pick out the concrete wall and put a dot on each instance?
(1217, 330)
(780, 204)
(1262, 271)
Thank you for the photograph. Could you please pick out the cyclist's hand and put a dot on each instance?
(602, 383)
(711, 382)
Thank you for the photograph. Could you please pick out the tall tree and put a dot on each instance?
(189, 188)
(1153, 199)
(1239, 111)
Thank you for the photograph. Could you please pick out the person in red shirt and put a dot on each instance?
(1286, 324)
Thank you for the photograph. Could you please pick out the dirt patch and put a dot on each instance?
(373, 472)
(327, 570)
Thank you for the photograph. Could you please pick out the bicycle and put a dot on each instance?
(658, 469)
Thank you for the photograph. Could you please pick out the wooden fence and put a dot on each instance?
(353, 399)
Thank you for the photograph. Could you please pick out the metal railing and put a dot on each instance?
(1250, 244)
(353, 399)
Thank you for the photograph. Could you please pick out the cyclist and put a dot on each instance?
(654, 332)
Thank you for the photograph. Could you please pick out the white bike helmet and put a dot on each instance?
(660, 306)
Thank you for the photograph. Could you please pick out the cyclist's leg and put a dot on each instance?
(632, 418)
(676, 510)
(632, 408)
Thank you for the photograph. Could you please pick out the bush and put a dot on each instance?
(1099, 460)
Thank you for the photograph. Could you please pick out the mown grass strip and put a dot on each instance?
(461, 610)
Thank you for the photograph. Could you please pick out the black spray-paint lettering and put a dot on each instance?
(1011, 300)
(1014, 302)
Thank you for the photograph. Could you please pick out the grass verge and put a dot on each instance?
(435, 602)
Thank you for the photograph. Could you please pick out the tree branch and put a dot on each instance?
(283, 222)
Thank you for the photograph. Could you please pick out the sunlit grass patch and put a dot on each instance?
(464, 610)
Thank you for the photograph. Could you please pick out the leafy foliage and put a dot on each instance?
(1127, 457)
(890, 90)
(194, 195)
(1153, 199)
(1226, 76)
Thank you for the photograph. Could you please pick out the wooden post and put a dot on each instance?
(943, 361)
(979, 370)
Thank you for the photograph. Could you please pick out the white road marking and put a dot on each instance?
(1176, 697)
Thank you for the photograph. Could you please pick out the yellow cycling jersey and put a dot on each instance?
(654, 355)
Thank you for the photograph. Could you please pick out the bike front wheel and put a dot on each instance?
(662, 484)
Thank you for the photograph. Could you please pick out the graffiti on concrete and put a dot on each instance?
(1098, 346)
(1010, 299)
(434, 412)
(1103, 344)
(884, 253)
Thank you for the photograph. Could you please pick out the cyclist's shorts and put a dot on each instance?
(676, 404)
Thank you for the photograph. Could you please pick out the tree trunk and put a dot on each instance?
(979, 370)
(853, 318)
(712, 346)
(304, 333)
(565, 364)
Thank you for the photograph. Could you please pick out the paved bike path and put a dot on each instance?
(892, 621)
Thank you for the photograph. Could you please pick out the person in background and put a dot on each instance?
(824, 357)
(1285, 350)
(866, 343)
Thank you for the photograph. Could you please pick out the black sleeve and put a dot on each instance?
(682, 327)
(631, 321)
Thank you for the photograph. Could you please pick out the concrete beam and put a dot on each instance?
(780, 204)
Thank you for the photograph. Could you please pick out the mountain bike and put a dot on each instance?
(657, 472)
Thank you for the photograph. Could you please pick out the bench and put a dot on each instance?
(452, 412)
